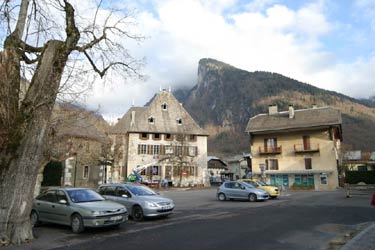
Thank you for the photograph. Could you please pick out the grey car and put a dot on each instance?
(240, 190)
(139, 200)
(78, 208)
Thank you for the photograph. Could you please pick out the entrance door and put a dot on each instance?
(168, 172)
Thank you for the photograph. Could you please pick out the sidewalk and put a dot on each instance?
(364, 240)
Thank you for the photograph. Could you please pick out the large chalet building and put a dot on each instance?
(164, 135)
(296, 148)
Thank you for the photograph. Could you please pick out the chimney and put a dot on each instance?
(314, 106)
(132, 118)
(272, 109)
(291, 111)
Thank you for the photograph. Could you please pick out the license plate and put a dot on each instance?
(116, 218)
(166, 207)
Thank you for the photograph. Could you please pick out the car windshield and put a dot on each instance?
(141, 190)
(247, 184)
(84, 195)
(262, 183)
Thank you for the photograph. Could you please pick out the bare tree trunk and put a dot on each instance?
(19, 167)
(26, 127)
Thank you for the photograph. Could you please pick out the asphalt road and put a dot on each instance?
(297, 220)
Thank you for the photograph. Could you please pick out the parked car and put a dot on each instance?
(272, 190)
(77, 207)
(139, 200)
(240, 190)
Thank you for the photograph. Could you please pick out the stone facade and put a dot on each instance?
(164, 133)
(297, 156)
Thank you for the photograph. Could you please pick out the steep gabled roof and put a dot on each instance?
(303, 118)
(164, 121)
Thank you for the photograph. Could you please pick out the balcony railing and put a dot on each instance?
(301, 148)
(270, 151)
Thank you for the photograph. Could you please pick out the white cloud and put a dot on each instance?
(264, 35)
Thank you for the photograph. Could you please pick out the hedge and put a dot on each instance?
(353, 177)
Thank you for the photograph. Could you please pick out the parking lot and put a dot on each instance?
(317, 217)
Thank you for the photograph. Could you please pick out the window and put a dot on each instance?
(192, 137)
(362, 168)
(155, 170)
(168, 137)
(192, 171)
(60, 195)
(151, 120)
(272, 164)
(306, 142)
(179, 121)
(323, 179)
(304, 180)
(168, 149)
(142, 149)
(156, 149)
(85, 172)
(180, 150)
(121, 191)
(48, 196)
(109, 191)
(308, 164)
(270, 144)
(143, 136)
(164, 107)
(192, 151)
(156, 136)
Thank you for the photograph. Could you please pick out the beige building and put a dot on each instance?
(297, 148)
(164, 133)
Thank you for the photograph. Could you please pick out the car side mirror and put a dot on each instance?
(64, 202)
(124, 196)
(243, 187)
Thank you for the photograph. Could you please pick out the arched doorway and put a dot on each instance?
(52, 174)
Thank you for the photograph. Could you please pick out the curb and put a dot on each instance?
(362, 241)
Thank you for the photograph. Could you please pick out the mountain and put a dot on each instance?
(226, 97)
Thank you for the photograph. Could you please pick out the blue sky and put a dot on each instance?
(327, 43)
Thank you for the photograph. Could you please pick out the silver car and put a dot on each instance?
(240, 190)
(139, 200)
(77, 207)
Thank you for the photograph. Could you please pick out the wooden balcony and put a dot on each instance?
(270, 151)
(302, 149)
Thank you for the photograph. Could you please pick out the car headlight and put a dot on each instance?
(150, 204)
(97, 213)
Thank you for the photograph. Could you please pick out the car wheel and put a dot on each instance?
(77, 223)
(137, 213)
(221, 197)
(252, 197)
(34, 218)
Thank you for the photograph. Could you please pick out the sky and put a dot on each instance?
(327, 43)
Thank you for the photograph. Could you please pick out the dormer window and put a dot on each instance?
(179, 121)
(164, 107)
(151, 120)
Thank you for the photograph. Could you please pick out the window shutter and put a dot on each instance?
(277, 164)
(162, 149)
(265, 145)
(275, 139)
(139, 149)
(148, 149)
(266, 164)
